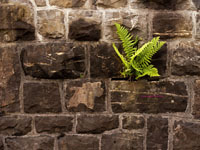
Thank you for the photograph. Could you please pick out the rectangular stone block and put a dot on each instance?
(196, 105)
(198, 25)
(68, 3)
(78, 142)
(96, 123)
(53, 124)
(110, 3)
(133, 122)
(197, 4)
(42, 98)
(157, 133)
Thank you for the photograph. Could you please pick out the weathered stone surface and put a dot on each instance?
(16, 23)
(30, 143)
(41, 98)
(186, 136)
(9, 79)
(133, 122)
(196, 3)
(40, 3)
(96, 123)
(159, 97)
(85, 30)
(122, 141)
(104, 61)
(196, 105)
(185, 59)
(110, 3)
(68, 3)
(77, 142)
(157, 133)
(51, 24)
(1, 144)
(85, 95)
(54, 60)
(15, 125)
(172, 25)
(198, 25)
(53, 124)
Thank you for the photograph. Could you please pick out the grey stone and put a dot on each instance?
(196, 105)
(196, 3)
(133, 122)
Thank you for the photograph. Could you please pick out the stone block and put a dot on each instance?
(15, 126)
(196, 3)
(53, 124)
(54, 60)
(78, 142)
(122, 141)
(41, 98)
(9, 79)
(51, 24)
(85, 96)
(185, 59)
(196, 105)
(96, 123)
(1, 143)
(133, 122)
(157, 133)
(110, 3)
(68, 3)
(198, 25)
(40, 3)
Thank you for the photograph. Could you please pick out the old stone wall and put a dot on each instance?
(59, 76)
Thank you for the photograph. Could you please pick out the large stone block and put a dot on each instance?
(16, 23)
(53, 124)
(122, 141)
(196, 105)
(68, 3)
(9, 79)
(110, 3)
(198, 25)
(185, 59)
(96, 123)
(40, 3)
(85, 95)
(133, 122)
(196, 3)
(186, 136)
(41, 98)
(30, 143)
(78, 142)
(51, 24)
(157, 133)
(169, 25)
(15, 125)
(54, 60)
(148, 97)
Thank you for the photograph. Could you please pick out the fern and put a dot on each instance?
(137, 60)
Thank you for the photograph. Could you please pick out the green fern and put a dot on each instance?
(137, 61)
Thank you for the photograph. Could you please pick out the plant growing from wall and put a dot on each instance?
(137, 61)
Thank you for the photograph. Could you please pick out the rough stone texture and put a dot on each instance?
(16, 23)
(186, 136)
(85, 30)
(68, 3)
(51, 24)
(198, 25)
(54, 60)
(9, 79)
(30, 143)
(76, 142)
(104, 61)
(196, 3)
(40, 3)
(1, 144)
(53, 124)
(41, 98)
(185, 59)
(122, 141)
(84, 95)
(15, 125)
(172, 25)
(196, 106)
(159, 97)
(157, 134)
(96, 123)
(110, 3)
(133, 122)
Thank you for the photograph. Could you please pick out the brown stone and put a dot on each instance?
(51, 24)
(186, 136)
(110, 3)
(157, 133)
(30, 143)
(122, 141)
(53, 60)
(185, 59)
(15, 125)
(9, 79)
(133, 122)
(172, 25)
(96, 124)
(40, 3)
(78, 142)
(68, 3)
(85, 95)
(16, 23)
(196, 105)
(1, 143)
(196, 3)
(198, 25)
(41, 98)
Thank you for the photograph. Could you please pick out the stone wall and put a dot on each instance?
(59, 76)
